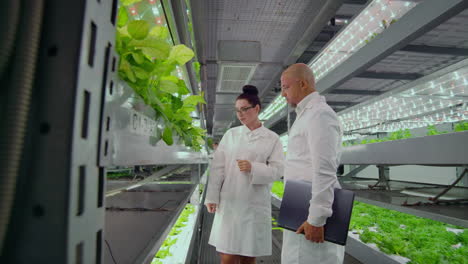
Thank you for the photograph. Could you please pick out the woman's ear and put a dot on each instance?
(257, 108)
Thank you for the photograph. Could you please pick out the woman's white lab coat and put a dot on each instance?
(242, 223)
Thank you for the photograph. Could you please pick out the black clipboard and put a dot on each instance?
(294, 210)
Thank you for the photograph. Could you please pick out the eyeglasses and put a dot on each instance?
(243, 110)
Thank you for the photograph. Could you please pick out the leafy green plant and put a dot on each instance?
(120, 174)
(461, 126)
(274, 224)
(419, 239)
(196, 66)
(400, 134)
(164, 250)
(147, 62)
(432, 130)
(209, 142)
(278, 188)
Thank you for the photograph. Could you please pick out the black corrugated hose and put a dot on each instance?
(21, 71)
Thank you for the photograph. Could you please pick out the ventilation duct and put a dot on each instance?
(237, 63)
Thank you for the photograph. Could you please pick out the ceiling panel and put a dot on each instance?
(270, 22)
(412, 62)
(226, 99)
(365, 84)
(260, 84)
(453, 33)
(350, 9)
(264, 70)
(224, 113)
(276, 24)
(341, 97)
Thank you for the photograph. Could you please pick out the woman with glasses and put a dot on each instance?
(248, 159)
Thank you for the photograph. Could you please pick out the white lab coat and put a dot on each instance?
(242, 223)
(313, 155)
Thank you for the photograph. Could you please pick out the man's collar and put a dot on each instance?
(307, 102)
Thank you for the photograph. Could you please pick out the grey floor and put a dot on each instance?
(208, 253)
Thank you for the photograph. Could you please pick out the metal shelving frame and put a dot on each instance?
(135, 235)
(77, 119)
(437, 150)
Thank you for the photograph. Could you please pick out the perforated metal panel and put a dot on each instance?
(276, 25)
(233, 76)
(412, 62)
(453, 33)
(270, 22)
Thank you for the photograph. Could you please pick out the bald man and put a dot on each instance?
(313, 155)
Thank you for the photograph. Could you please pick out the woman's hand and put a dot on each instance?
(244, 165)
(211, 207)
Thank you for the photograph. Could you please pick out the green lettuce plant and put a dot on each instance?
(146, 63)
(461, 126)
(120, 174)
(419, 239)
(164, 250)
(278, 188)
(432, 130)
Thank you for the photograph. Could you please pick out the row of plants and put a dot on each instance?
(147, 64)
(406, 133)
(165, 250)
(119, 174)
(421, 240)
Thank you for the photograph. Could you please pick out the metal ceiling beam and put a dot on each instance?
(329, 8)
(331, 28)
(343, 17)
(356, 92)
(436, 50)
(423, 17)
(389, 75)
(395, 92)
(310, 53)
(355, 2)
(199, 21)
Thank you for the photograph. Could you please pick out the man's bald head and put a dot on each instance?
(302, 72)
(297, 81)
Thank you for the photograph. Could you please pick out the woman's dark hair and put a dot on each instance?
(250, 93)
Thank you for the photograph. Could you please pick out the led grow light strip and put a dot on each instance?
(277, 104)
(447, 116)
(284, 141)
(441, 93)
(373, 20)
(355, 36)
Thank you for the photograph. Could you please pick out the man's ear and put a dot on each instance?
(303, 85)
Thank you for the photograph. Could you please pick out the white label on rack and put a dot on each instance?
(142, 125)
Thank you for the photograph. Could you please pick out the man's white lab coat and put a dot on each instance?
(313, 155)
(242, 223)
